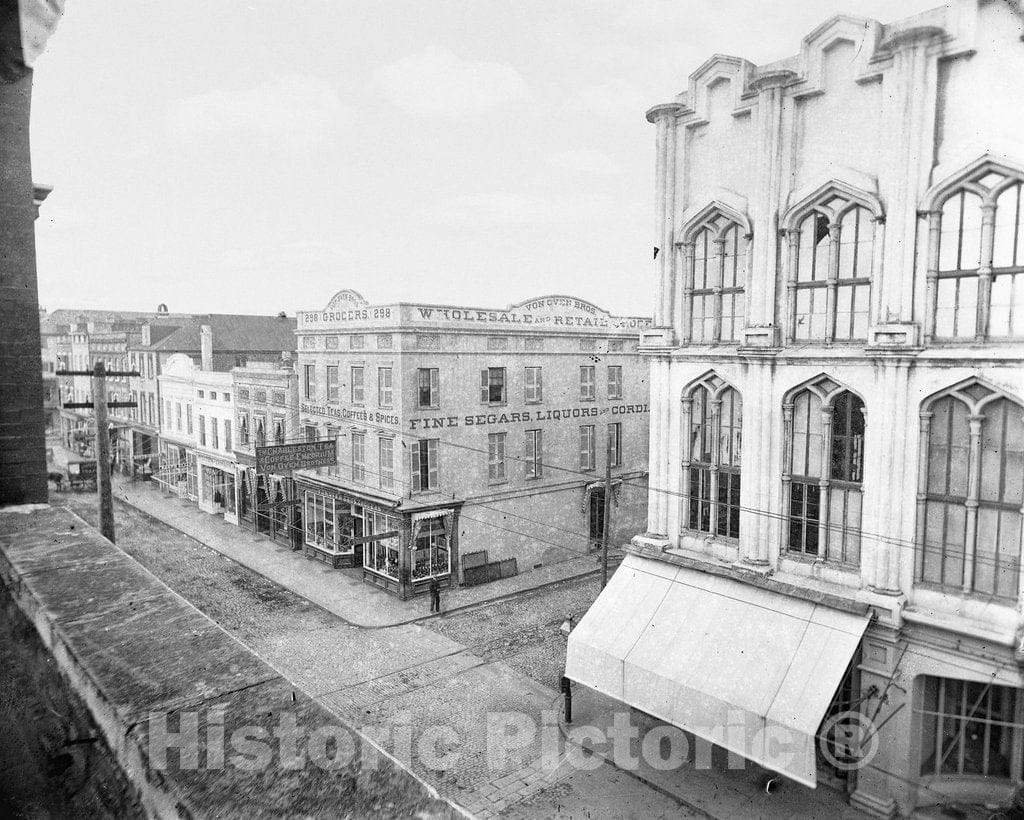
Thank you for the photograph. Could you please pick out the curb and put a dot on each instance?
(417, 620)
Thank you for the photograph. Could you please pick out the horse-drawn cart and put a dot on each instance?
(80, 473)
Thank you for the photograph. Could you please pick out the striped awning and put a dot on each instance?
(426, 515)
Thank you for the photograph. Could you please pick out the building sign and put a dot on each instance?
(555, 312)
(349, 414)
(284, 457)
(525, 416)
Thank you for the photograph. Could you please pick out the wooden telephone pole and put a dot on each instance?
(99, 405)
(607, 510)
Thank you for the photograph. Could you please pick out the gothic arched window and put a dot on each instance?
(713, 419)
(714, 273)
(823, 472)
(971, 492)
(976, 259)
(831, 248)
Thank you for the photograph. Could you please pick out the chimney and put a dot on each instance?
(147, 336)
(286, 360)
(206, 346)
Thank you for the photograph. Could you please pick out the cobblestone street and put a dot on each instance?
(396, 682)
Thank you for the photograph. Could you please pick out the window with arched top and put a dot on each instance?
(714, 274)
(976, 258)
(971, 492)
(822, 472)
(713, 418)
(831, 251)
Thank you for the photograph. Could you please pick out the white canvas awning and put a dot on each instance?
(746, 668)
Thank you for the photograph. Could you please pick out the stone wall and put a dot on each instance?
(148, 665)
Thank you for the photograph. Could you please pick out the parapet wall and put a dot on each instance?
(155, 672)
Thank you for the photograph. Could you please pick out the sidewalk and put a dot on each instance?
(718, 791)
(340, 591)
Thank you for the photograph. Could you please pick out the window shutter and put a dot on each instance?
(483, 386)
(435, 387)
(415, 458)
(432, 464)
(540, 384)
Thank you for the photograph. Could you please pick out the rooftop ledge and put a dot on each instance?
(131, 648)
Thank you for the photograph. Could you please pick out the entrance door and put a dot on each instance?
(595, 516)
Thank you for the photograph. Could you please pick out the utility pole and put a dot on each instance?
(607, 509)
(99, 403)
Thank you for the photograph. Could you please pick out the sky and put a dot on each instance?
(253, 157)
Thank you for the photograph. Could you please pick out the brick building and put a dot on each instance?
(463, 430)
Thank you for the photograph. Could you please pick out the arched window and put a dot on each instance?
(823, 472)
(829, 288)
(976, 262)
(714, 272)
(971, 492)
(713, 419)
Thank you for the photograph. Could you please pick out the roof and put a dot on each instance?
(233, 332)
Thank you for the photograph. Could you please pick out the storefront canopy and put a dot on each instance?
(746, 668)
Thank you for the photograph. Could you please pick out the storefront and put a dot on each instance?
(174, 470)
(399, 550)
(217, 487)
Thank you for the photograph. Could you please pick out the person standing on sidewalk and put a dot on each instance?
(435, 595)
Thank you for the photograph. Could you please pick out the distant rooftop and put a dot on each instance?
(232, 332)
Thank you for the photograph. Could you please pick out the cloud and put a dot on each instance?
(436, 82)
(583, 161)
(498, 208)
(298, 109)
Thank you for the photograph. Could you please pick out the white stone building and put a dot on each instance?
(841, 290)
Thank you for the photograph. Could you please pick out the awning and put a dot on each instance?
(746, 668)
(428, 514)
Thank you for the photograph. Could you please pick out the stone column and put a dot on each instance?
(762, 277)
(664, 117)
(909, 116)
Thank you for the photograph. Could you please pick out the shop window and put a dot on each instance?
(424, 465)
(588, 391)
(358, 386)
(534, 454)
(496, 457)
(969, 728)
(431, 556)
(386, 452)
(534, 385)
(614, 381)
(427, 387)
(823, 472)
(381, 555)
(492, 385)
(969, 518)
(587, 447)
(713, 414)
(321, 523)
